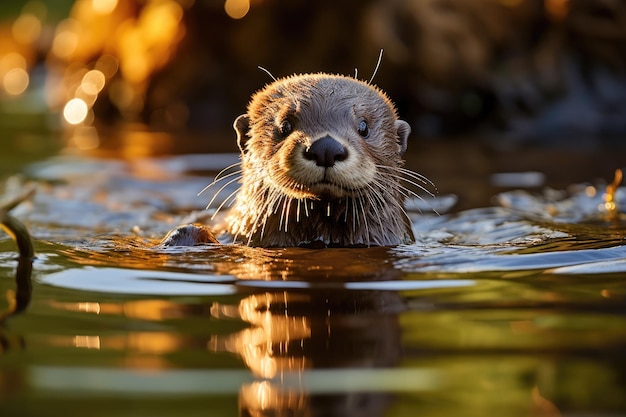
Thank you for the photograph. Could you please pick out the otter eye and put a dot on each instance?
(362, 130)
(285, 128)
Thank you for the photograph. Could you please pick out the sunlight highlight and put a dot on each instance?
(87, 342)
(610, 202)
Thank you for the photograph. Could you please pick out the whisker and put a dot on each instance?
(379, 194)
(222, 189)
(219, 176)
(380, 59)
(354, 214)
(298, 211)
(423, 178)
(367, 229)
(284, 215)
(267, 72)
(408, 193)
(217, 210)
(413, 183)
(404, 171)
(306, 209)
(268, 202)
(397, 205)
(374, 206)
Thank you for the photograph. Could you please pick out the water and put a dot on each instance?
(515, 309)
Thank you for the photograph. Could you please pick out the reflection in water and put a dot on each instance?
(341, 344)
(19, 233)
(18, 301)
(482, 316)
(20, 298)
(292, 332)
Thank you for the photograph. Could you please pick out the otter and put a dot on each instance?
(321, 166)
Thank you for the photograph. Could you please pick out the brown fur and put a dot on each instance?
(287, 200)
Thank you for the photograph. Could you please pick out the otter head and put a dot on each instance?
(320, 161)
(320, 136)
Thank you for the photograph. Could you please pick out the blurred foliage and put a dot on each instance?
(56, 9)
(542, 71)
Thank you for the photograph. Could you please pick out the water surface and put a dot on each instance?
(515, 309)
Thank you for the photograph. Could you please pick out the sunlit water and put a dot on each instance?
(517, 310)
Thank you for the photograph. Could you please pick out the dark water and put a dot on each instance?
(518, 309)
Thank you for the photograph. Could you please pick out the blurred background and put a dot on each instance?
(487, 85)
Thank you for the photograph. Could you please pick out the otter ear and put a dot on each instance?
(403, 130)
(242, 126)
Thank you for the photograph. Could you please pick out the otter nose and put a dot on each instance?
(325, 152)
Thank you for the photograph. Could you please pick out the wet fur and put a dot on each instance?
(281, 201)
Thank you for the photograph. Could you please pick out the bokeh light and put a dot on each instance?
(66, 39)
(14, 78)
(15, 81)
(107, 65)
(237, 9)
(86, 138)
(75, 111)
(93, 82)
(26, 28)
(103, 6)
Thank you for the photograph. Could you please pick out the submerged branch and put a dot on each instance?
(19, 299)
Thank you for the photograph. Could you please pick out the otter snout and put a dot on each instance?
(326, 151)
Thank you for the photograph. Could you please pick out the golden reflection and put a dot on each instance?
(155, 342)
(265, 346)
(292, 332)
(152, 310)
(152, 343)
(341, 264)
(610, 204)
(87, 342)
(262, 397)
(89, 307)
